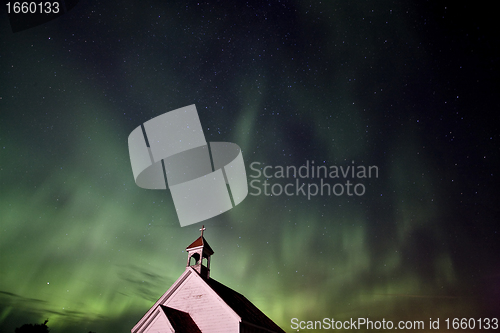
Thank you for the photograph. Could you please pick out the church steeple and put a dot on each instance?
(199, 253)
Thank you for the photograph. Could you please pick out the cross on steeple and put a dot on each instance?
(202, 229)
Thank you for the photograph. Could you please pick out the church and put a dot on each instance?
(196, 303)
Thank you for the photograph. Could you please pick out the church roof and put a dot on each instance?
(201, 241)
(197, 297)
(247, 312)
(180, 321)
(242, 306)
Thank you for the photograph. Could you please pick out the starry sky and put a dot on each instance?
(408, 86)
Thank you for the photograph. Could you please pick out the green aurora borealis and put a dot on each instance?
(409, 88)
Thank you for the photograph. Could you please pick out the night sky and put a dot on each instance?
(408, 86)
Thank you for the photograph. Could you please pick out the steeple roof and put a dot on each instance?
(201, 241)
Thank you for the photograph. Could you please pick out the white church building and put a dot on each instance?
(196, 303)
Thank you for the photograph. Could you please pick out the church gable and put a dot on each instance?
(165, 319)
(143, 325)
(157, 322)
(206, 308)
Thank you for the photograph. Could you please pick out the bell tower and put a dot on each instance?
(199, 253)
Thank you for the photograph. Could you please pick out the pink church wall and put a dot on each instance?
(207, 310)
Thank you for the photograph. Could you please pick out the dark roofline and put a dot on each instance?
(181, 321)
(247, 311)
